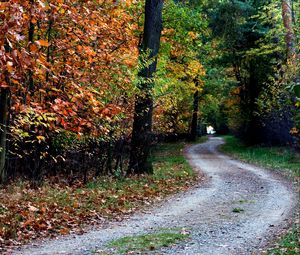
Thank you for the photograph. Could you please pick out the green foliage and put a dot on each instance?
(169, 156)
(270, 26)
(249, 38)
(185, 19)
(180, 66)
(289, 244)
(145, 61)
(230, 22)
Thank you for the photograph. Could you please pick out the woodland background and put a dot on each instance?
(69, 78)
(76, 75)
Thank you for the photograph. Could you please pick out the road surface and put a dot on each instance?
(263, 202)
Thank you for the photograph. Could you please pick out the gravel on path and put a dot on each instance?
(265, 202)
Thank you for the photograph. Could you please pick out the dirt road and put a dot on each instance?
(236, 211)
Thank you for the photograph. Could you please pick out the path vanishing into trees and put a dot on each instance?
(266, 200)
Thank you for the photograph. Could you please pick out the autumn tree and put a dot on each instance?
(142, 123)
(68, 65)
(287, 17)
(292, 75)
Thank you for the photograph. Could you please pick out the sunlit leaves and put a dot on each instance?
(42, 43)
(74, 68)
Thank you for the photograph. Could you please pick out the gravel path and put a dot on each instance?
(207, 211)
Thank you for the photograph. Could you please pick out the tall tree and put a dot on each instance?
(290, 38)
(4, 95)
(194, 126)
(142, 123)
(4, 110)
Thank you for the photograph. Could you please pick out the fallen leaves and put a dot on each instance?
(58, 209)
(43, 43)
(32, 208)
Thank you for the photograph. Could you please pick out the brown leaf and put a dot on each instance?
(64, 231)
(42, 43)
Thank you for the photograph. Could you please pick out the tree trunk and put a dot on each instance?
(251, 130)
(3, 131)
(290, 38)
(142, 123)
(194, 126)
(4, 113)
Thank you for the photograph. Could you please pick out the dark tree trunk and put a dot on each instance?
(142, 123)
(3, 131)
(4, 114)
(251, 130)
(194, 126)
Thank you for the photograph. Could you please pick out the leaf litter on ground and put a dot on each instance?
(58, 209)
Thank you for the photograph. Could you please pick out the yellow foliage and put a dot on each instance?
(235, 91)
(195, 68)
(177, 70)
(192, 35)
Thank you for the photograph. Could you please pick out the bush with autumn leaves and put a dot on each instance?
(71, 71)
(68, 66)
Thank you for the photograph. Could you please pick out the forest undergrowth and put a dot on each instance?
(59, 208)
(281, 158)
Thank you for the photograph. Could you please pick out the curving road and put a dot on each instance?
(266, 200)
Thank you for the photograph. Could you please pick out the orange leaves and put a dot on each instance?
(130, 61)
(42, 43)
(193, 35)
(59, 209)
(78, 47)
(9, 66)
(235, 91)
(64, 231)
(68, 112)
(89, 51)
(4, 6)
(33, 48)
(110, 110)
(41, 3)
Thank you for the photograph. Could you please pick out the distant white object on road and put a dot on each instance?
(210, 130)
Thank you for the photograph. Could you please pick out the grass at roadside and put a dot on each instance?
(57, 208)
(149, 242)
(280, 158)
(288, 245)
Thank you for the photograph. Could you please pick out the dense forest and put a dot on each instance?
(89, 87)
(95, 83)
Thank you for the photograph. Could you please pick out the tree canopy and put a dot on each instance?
(73, 74)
